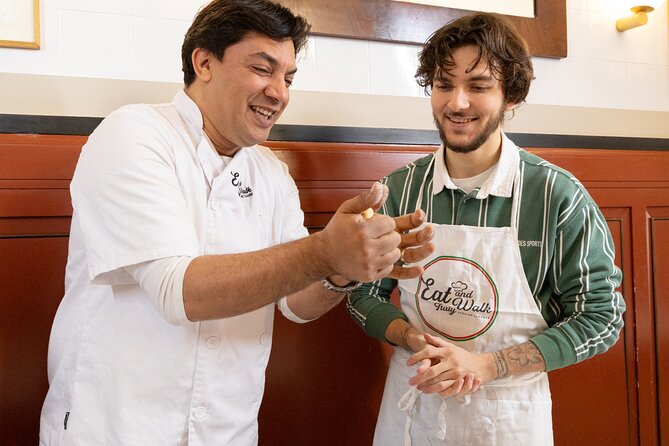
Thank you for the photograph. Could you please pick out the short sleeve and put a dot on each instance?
(127, 196)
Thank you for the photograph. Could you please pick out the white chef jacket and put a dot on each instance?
(149, 185)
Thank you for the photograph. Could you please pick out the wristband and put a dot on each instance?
(340, 289)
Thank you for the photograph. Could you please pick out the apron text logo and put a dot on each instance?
(454, 299)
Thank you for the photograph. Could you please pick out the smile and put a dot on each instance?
(459, 120)
(267, 113)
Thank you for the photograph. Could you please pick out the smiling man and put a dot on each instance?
(185, 235)
(522, 280)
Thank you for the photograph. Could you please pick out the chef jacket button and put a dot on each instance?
(200, 413)
(213, 342)
(215, 204)
(263, 338)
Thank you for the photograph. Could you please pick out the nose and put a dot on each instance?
(459, 99)
(277, 90)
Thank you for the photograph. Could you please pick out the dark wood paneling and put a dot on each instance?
(35, 203)
(35, 211)
(325, 378)
(389, 20)
(329, 173)
(31, 287)
(612, 167)
(659, 229)
(324, 383)
(344, 162)
(39, 157)
(580, 390)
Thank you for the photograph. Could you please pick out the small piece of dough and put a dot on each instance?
(367, 213)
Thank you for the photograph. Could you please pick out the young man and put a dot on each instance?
(185, 234)
(522, 279)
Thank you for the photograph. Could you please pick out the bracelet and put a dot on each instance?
(340, 289)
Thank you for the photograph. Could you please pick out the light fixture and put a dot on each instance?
(640, 17)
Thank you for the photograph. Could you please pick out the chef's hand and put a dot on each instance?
(414, 247)
(357, 248)
(449, 370)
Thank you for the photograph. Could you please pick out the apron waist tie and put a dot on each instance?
(441, 420)
(407, 404)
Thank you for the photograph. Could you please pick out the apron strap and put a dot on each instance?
(419, 200)
(407, 404)
(515, 201)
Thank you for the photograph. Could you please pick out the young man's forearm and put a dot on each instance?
(519, 359)
(403, 334)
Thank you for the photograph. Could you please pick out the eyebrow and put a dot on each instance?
(272, 61)
(482, 77)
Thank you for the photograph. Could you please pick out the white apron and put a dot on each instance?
(474, 294)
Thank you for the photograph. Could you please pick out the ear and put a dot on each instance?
(201, 60)
(510, 106)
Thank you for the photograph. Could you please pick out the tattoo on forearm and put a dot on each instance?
(519, 359)
(524, 355)
(500, 362)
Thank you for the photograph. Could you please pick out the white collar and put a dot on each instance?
(190, 113)
(500, 181)
(211, 161)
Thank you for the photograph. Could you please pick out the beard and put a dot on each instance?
(479, 139)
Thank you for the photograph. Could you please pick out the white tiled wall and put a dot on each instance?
(141, 40)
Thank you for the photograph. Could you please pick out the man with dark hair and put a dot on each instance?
(185, 234)
(522, 279)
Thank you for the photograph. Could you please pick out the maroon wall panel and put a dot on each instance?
(31, 274)
(325, 378)
(659, 228)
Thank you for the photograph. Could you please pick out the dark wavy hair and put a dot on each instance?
(499, 44)
(225, 22)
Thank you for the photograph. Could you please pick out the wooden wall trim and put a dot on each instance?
(546, 32)
(627, 405)
(84, 126)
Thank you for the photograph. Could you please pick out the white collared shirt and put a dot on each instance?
(148, 185)
(500, 181)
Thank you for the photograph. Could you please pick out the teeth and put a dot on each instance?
(460, 120)
(267, 113)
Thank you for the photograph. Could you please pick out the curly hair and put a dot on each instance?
(225, 22)
(499, 44)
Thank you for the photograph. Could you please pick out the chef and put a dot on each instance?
(186, 235)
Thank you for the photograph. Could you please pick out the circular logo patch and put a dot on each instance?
(457, 298)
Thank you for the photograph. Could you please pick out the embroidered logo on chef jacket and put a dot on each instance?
(457, 298)
(244, 192)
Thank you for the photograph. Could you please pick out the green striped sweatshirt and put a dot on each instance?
(565, 245)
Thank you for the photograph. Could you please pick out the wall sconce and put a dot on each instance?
(640, 17)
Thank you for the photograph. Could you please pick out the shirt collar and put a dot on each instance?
(212, 164)
(500, 181)
(190, 113)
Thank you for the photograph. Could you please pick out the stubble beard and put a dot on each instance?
(479, 140)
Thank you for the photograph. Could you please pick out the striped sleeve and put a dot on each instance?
(369, 305)
(584, 279)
